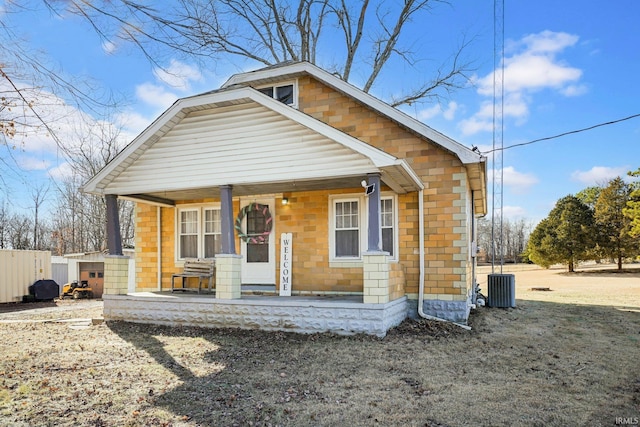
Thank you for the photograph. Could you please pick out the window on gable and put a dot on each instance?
(283, 93)
(198, 233)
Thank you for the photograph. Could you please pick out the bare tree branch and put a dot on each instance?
(272, 31)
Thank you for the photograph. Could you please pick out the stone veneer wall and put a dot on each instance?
(271, 314)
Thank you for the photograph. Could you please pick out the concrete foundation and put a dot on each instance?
(306, 315)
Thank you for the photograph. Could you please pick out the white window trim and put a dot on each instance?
(294, 83)
(200, 208)
(363, 229)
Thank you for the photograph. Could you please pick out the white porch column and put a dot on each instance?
(116, 275)
(376, 277)
(228, 271)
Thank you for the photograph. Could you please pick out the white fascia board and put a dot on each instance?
(465, 154)
(411, 173)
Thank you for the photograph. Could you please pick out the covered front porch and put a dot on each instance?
(340, 314)
(196, 188)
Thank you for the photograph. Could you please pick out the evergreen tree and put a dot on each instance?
(632, 210)
(612, 225)
(565, 236)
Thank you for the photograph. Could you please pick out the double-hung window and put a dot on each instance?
(212, 233)
(347, 229)
(188, 230)
(348, 222)
(198, 232)
(387, 223)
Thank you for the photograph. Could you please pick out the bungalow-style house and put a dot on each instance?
(322, 207)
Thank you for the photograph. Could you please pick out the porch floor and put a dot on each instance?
(340, 314)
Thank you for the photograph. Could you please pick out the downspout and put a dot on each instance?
(421, 284)
(474, 253)
(159, 242)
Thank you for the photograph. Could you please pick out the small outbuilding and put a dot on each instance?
(89, 267)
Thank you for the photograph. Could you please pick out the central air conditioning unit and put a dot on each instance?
(502, 291)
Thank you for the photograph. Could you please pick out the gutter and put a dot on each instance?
(422, 267)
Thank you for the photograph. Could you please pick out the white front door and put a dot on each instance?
(259, 248)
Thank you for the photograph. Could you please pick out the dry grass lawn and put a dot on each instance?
(568, 356)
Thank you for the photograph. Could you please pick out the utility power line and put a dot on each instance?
(612, 122)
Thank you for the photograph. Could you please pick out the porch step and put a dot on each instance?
(258, 290)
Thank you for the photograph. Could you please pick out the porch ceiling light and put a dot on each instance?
(285, 201)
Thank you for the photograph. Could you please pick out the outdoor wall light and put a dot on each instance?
(285, 201)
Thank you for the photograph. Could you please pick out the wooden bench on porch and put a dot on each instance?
(200, 268)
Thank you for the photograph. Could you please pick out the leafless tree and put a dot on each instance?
(515, 235)
(81, 226)
(20, 227)
(37, 99)
(4, 225)
(38, 196)
(342, 36)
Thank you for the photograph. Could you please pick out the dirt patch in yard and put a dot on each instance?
(549, 361)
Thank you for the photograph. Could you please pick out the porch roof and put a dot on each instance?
(243, 138)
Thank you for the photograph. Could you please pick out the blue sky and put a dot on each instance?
(568, 65)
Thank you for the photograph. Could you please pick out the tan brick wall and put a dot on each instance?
(146, 247)
(445, 195)
(396, 281)
(306, 217)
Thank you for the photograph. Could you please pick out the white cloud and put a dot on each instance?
(60, 172)
(429, 113)
(109, 47)
(531, 67)
(448, 113)
(518, 182)
(474, 125)
(574, 90)
(599, 174)
(33, 164)
(155, 95)
(515, 106)
(547, 42)
(133, 123)
(514, 212)
(178, 75)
